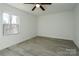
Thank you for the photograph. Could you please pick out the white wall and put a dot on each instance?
(76, 12)
(59, 25)
(27, 27)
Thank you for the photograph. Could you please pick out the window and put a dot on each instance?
(10, 24)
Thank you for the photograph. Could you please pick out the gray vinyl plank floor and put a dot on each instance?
(42, 46)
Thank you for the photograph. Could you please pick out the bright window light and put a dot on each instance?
(6, 18)
(14, 18)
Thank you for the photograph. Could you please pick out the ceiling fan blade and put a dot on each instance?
(28, 3)
(46, 3)
(33, 8)
(42, 8)
(40, 3)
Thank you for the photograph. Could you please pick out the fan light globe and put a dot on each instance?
(37, 5)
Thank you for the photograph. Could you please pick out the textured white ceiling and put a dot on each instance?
(54, 8)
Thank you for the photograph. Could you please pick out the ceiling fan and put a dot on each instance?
(39, 5)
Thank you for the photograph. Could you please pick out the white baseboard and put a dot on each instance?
(54, 37)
